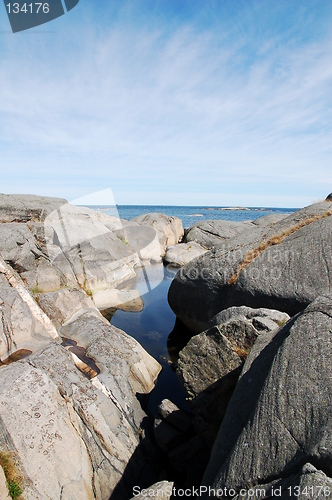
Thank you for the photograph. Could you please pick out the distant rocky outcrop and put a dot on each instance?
(277, 429)
(283, 266)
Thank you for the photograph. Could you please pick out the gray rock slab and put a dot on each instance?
(207, 358)
(143, 240)
(62, 305)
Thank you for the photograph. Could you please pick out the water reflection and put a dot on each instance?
(151, 328)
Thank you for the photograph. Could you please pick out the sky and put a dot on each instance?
(170, 102)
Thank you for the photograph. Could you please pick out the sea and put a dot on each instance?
(155, 326)
(190, 215)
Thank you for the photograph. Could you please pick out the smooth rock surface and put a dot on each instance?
(280, 414)
(99, 259)
(286, 274)
(126, 300)
(179, 255)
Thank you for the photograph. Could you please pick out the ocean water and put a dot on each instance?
(190, 215)
(152, 326)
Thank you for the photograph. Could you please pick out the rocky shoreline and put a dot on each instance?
(256, 369)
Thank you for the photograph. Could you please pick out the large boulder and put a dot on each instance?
(281, 267)
(169, 229)
(279, 417)
(210, 364)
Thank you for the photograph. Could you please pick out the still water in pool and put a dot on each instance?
(151, 328)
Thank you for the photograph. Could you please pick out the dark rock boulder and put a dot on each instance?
(283, 267)
(210, 364)
(279, 417)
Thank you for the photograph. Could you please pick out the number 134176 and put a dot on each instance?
(28, 8)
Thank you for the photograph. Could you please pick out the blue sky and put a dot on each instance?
(176, 102)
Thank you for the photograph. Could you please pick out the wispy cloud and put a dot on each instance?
(188, 109)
